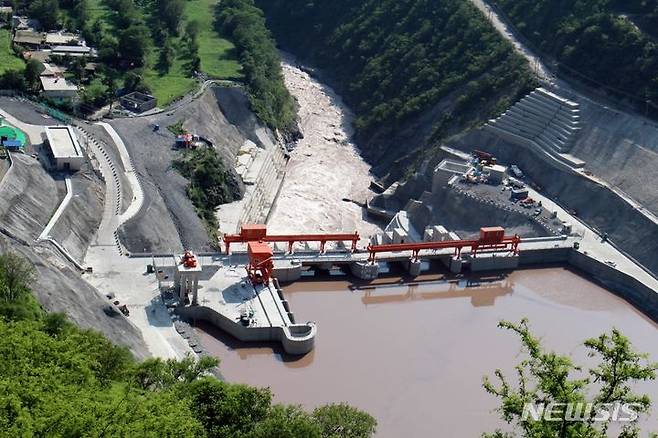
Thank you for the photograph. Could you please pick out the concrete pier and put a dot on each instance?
(228, 300)
(413, 267)
(364, 270)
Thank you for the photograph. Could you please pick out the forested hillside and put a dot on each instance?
(59, 380)
(413, 71)
(611, 42)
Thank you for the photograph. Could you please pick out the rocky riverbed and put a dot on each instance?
(326, 170)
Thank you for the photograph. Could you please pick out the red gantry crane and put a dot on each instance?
(261, 266)
(258, 233)
(491, 239)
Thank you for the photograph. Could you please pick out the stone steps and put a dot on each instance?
(549, 120)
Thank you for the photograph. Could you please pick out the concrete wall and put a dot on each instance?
(635, 292)
(297, 339)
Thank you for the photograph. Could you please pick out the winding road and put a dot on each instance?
(500, 24)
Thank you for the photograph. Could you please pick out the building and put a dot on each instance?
(496, 173)
(24, 23)
(57, 88)
(66, 151)
(52, 70)
(75, 51)
(138, 102)
(61, 39)
(28, 39)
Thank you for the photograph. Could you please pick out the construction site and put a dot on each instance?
(319, 279)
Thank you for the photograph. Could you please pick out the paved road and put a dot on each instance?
(33, 131)
(122, 276)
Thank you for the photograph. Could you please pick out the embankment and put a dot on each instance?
(168, 220)
(596, 205)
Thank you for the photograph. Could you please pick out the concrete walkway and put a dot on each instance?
(592, 245)
(138, 194)
(60, 210)
(125, 278)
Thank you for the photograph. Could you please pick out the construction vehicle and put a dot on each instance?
(484, 158)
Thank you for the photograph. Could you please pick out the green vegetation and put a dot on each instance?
(218, 58)
(244, 24)
(395, 61)
(596, 40)
(59, 380)
(9, 59)
(211, 185)
(176, 128)
(549, 379)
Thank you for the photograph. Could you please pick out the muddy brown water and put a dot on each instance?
(413, 355)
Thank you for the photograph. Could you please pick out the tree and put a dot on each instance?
(166, 56)
(133, 81)
(16, 274)
(95, 94)
(344, 421)
(552, 381)
(287, 422)
(170, 13)
(46, 11)
(133, 45)
(12, 80)
(32, 73)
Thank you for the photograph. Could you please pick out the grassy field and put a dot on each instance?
(218, 59)
(171, 85)
(8, 59)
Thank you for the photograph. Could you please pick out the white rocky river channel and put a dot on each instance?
(325, 167)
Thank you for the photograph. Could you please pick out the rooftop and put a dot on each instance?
(60, 38)
(63, 142)
(72, 49)
(53, 83)
(28, 37)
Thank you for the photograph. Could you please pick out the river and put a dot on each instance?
(325, 168)
(414, 356)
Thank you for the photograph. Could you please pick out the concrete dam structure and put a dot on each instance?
(545, 120)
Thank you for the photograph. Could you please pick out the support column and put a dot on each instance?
(413, 267)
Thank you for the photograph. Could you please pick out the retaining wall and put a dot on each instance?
(296, 339)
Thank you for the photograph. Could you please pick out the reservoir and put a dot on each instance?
(413, 354)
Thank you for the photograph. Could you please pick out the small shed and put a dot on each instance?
(138, 102)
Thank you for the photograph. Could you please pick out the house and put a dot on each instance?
(57, 88)
(61, 39)
(138, 102)
(5, 14)
(52, 70)
(64, 147)
(28, 39)
(42, 56)
(73, 51)
(25, 23)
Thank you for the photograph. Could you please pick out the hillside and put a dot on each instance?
(413, 74)
(604, 42)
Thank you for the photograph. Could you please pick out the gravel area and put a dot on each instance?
(168, 220)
